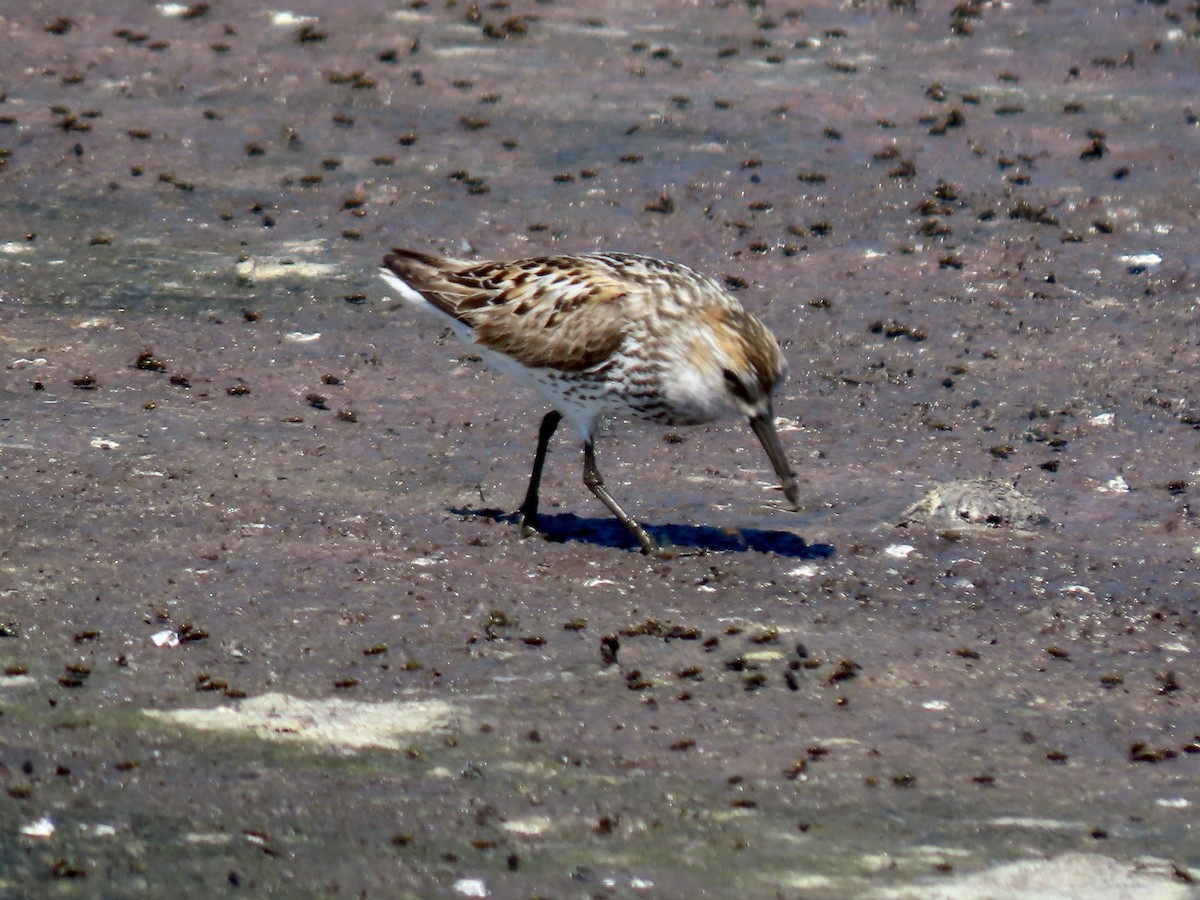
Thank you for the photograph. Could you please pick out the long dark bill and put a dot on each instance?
(764, 427)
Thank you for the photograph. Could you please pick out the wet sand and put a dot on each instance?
(266, 623)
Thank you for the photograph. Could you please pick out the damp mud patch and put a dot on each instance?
(333, 723)
(1066, 876)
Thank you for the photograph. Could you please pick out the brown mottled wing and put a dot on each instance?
(429, 275)
(555, 312)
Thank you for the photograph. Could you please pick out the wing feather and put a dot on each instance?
(566, 313)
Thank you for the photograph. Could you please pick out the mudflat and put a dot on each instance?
(266, 621)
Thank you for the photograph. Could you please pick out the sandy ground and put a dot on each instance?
(266, 624)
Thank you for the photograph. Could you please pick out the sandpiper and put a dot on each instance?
(607, 334)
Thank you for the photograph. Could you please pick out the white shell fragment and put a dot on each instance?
(42, 828)
(471, 887)
(1141, 259)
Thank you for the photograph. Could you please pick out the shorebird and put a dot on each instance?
(607, 334)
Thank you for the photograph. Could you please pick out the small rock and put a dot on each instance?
(978, 503)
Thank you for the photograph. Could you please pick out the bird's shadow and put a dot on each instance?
(602, 532)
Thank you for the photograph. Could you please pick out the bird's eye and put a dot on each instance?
(735, 384)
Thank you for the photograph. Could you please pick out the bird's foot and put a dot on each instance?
(668, 553)
(655, 550)
(528, 524)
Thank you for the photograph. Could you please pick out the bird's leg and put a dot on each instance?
(527, 514)
(595, 483)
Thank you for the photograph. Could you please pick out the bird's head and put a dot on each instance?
(742, 366)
